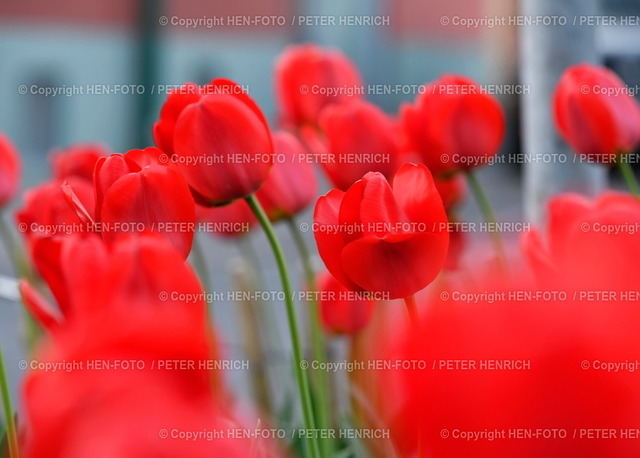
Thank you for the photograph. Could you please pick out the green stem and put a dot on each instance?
(17, 258)
(14, 451)
(629, 177)
(301, 377)
(487, 211)
(317, 337)
(412, 309)
(22, 270)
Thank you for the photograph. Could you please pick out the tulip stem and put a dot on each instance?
(12, 437)
(412, 309)
(22, 270)
(629, 177)
(487, 211)
(301, 377)
(18, 260)
(317, 336)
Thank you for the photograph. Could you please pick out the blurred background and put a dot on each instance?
(49, 51)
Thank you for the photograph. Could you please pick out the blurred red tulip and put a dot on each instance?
(361, 138)
(47, 213)
(9, 171)
(591, 243)
(130, 198)
(77, 160)
(511, 371)
(381, 238)
(453, 125)
(342, 311)
(86, 278)
(118, 389)
(596, 114)
(309, 77)
(231, 220)
(291, 185)
(222, 145)
(452, 190)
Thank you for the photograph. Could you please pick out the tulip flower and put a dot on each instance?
(139, 355)
(153, 197)
(77, 160)
(343, 311)
(47, 213)
(291, 185)
(381, 238)
(9, 171)
(361, 138)
(452, 191)
(517, 363)
(596, 114)
(453, 125)
(218, 139)
(86, 277)
(590, 242)
(309, 78)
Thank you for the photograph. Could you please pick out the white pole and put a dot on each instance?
(546, 51)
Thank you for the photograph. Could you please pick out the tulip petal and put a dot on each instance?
(416, 194)
(39, 307)
(157, 197)
(399, 269)
(329, 236)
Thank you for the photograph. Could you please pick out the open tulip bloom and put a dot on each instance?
(377, 237)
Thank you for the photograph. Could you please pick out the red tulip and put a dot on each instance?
(452, 191)
(343, 311)
(361, 138)
(133, 198)
(527, 365)
(231, 220)
(77, 160)
(304, 76)
(218, 138)
(87, 278)
(593, 243)
(595, 113)
(382, 238)
(47, 213)
(291, 185)
(453, 125)
(9, 171)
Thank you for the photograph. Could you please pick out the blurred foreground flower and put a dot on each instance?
(116, 390)
(536, 368)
